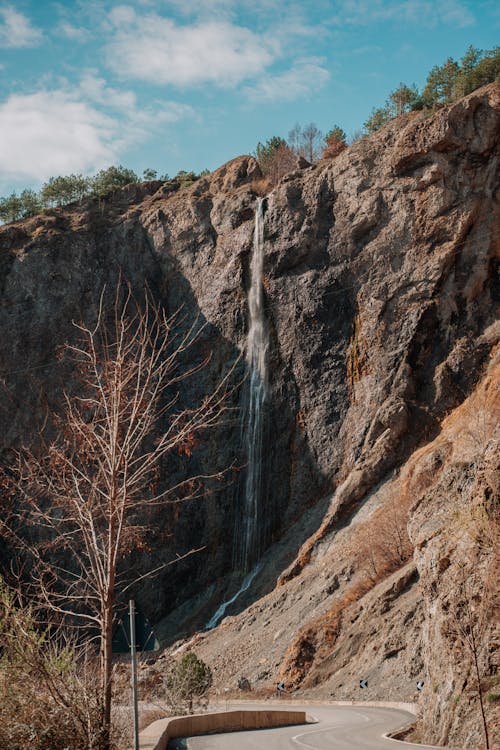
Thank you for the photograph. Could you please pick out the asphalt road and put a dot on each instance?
(337, 727)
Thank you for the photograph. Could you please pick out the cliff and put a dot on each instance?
(380, 282)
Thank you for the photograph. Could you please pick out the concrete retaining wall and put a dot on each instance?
(157, 734)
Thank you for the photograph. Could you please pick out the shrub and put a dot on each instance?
(187, 683)
(275, 158)
(49, 698)
(110, 179)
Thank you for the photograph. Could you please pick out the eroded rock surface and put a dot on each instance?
(381, 288)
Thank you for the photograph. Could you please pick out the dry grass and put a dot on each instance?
(315, 640)
(262, 186)
(382, 542)
(478, 419)
(50, 695)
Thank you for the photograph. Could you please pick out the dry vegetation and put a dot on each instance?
(50, 694)
(381, 545)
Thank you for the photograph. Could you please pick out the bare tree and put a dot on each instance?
(469, 626)
(85, 498)
(306, 141)
(312, 139)
(295, 138)
(281, 162)
(383, 542)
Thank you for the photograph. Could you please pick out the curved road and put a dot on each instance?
(339, 727)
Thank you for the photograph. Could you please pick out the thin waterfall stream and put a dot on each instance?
(249, 539)
(257, 346)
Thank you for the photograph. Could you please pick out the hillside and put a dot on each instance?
(380, 475)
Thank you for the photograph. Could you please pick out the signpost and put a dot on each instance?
(131, 635)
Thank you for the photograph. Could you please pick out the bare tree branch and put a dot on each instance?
(82, 499)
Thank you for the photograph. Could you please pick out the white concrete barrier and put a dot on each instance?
(157, 735)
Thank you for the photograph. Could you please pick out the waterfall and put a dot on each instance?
(253, 426)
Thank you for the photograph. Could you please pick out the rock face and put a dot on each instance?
(380, 279)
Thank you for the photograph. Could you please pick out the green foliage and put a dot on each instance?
(444, 84)
(59, 191)
(336, 142)
(336, 132)
(477, 69)
(378, 118)
(189, 680)
(185, 179)
(450, 81)
(149, 174)
(110, 179)
(16, 207)
(10, 208)
(403, 99)
(440, 83)
(275, 158)
(152, 174)
(31, 205)
(64, 189)
(265, 152)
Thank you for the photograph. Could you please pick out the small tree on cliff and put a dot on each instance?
(275, 158)
(81, 505)
(335, 142)
(306, 141)
(188, 681)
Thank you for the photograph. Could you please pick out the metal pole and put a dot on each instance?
(134, 673)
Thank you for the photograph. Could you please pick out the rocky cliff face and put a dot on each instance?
(381, 287)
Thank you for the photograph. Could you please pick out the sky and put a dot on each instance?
(190, 84)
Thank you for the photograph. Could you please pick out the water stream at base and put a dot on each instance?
(219, 613)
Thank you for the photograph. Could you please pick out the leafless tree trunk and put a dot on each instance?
(312, 139)
(467, 628)
(307, 142)
(281, 162)
(87, 494)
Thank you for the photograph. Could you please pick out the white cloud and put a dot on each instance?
(156, 49)
(16, 29)
(50, 133)
(304, 78)
(95, 89)
(61, 131)
(75, 33)
(425, 12)
(455, 13)
(226, 7)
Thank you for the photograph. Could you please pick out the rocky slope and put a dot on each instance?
(381, 288)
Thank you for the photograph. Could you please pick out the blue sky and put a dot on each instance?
(189, 84)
